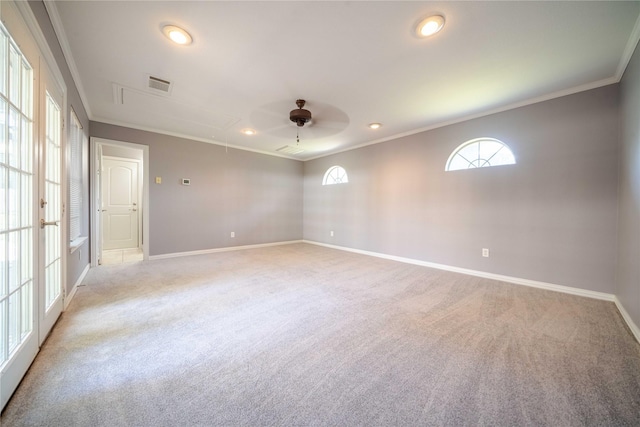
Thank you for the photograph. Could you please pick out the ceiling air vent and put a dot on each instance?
(159, 84)
(290, 150)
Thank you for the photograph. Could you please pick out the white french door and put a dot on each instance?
(18, 342)
(32, 262)
(51, 205)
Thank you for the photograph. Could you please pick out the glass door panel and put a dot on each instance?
(18, 343)
(51, 212)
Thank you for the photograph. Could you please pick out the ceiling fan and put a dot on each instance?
(326, 120)
(300, 116)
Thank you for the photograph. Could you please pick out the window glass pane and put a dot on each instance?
(488, 148)
(4, 286)
(15, 69)
(458, 162)
(75, 177)
(13, 260)
(14, 199)
(26, 256)
(3, 198)
(3, 131)
(26, 298)
(4, 353)
(14, 138)
(3, 63)
(335, 175)
(469, 152)
(27, 90)
(26, 218)
(26, 158)
(482, 152)
(14, 321)
(503, 157)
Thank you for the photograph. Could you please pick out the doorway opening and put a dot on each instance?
(120, 200)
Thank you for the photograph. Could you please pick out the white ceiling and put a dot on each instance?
(354, 62)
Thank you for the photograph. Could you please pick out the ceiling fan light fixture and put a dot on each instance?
(177, 35)
(430, 25)
(300, 116)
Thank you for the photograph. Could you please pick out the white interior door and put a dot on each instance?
(120, 203)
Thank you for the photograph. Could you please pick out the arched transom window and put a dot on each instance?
(480, 153)
(335, 175)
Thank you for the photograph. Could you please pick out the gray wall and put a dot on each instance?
(628, 279)
(79, 260)
(552, 217)
(258, 197)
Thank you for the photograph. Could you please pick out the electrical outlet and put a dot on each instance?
(331, 232)
(233, 234)
(485, 252)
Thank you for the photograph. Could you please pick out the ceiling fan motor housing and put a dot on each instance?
(300, 116)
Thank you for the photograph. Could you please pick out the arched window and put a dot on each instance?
(480, 153)
(335, 175)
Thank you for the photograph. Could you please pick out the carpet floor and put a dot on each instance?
(304, 335)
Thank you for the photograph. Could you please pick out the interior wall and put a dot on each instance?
(78, 261)
(258, 197)
(551, 217)
(628, 279)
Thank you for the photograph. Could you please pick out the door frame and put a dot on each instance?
(95, 148)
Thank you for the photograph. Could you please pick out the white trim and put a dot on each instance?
(189, 137)
(58, 28)
(94, 142)
(68, 298)
(437, 125)
(515, 280)
(226, 249)
(43, 45)
(628, 50)
(76, 244)
(632, 326)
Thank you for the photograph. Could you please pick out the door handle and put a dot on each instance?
(44, 223)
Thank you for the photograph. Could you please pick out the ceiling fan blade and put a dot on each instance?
(273, 119)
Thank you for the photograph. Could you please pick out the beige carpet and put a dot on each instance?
(304, 335)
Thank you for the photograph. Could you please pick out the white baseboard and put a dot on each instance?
(499, 277)
(69, 297)
(227, 249)
(634, 328)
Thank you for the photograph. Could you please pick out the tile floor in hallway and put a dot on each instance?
(121, 256)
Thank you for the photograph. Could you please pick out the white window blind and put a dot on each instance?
(76, 138)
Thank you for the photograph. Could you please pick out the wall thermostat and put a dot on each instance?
(186, 181)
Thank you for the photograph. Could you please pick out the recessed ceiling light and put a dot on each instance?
(375, 125)
(429, 26)
(248, 131)
(177, 34)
